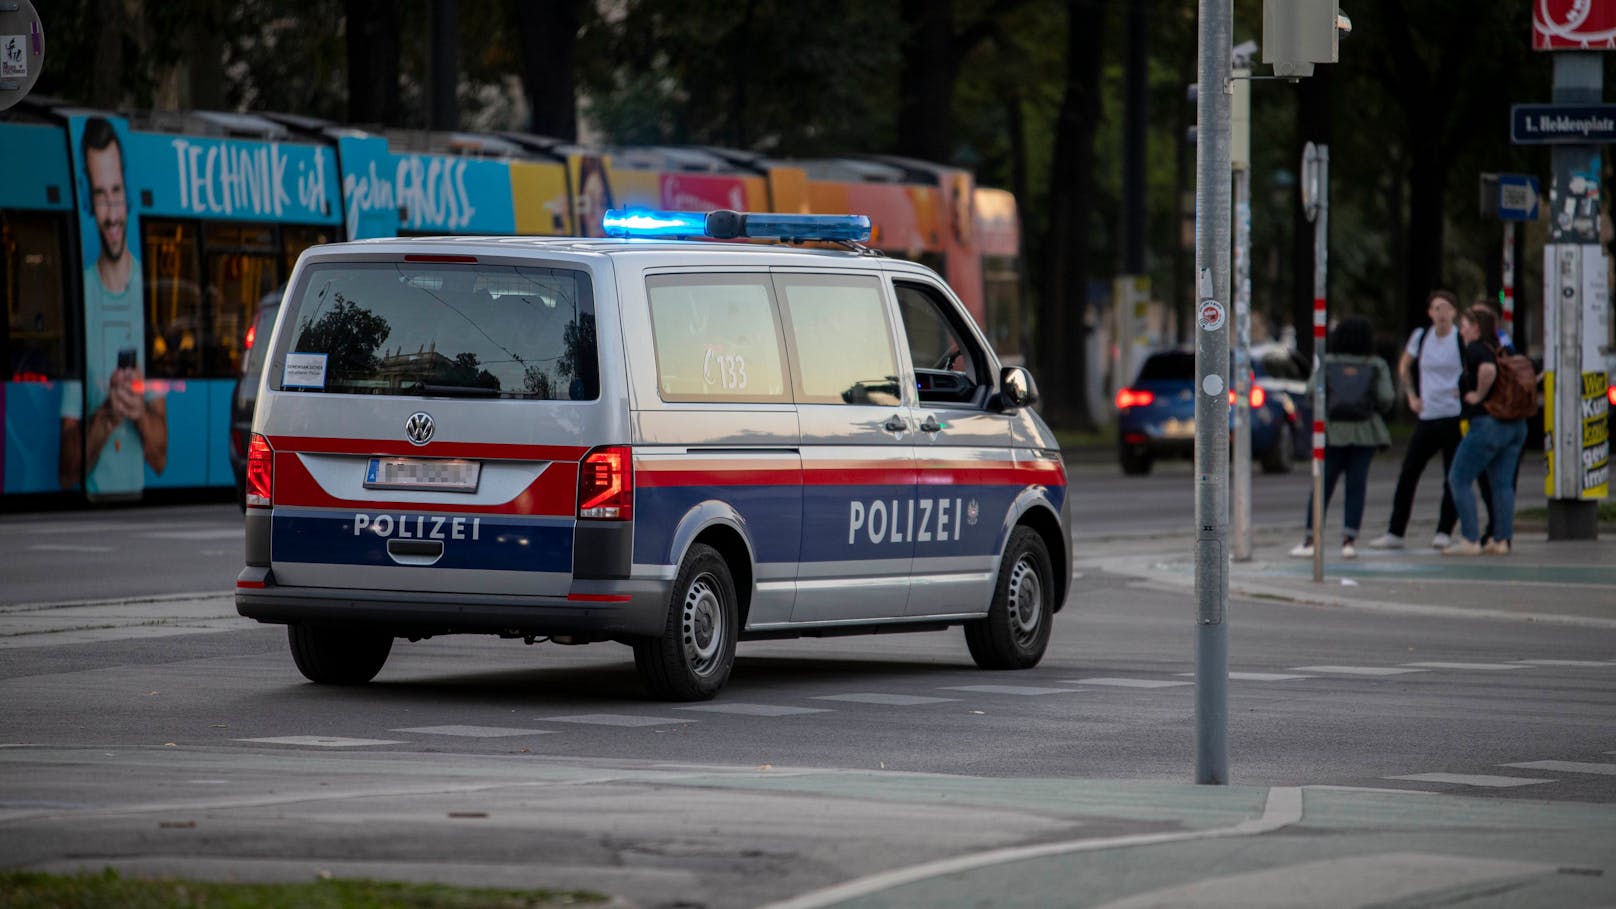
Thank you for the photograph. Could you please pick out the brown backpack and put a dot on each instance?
(1514, 392)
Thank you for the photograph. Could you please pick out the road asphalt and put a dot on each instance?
(1087, 842)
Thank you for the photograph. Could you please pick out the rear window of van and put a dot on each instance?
(440, 329)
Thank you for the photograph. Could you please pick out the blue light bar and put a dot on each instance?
(730, 225)
(639, 222)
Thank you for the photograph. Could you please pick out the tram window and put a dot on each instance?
(296, 239)
(33, 280)
(1001, 285)
(243, 265)
(176, 325)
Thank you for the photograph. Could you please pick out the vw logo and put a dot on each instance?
(418, 428)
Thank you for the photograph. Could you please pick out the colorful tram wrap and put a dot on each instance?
(135, 261)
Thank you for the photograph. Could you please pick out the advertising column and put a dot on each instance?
(122, 421)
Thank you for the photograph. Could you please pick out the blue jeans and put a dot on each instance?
(1352, 460)
(1491, 447)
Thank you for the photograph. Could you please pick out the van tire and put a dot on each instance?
(1016, 630)
(692, 659)
(338, 656)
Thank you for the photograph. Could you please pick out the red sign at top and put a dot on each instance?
(1574, 24)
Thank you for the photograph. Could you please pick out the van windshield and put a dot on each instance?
(405, 328)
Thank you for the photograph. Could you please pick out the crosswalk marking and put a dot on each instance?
(1566, 767)
(614, 719)
(755, 709)
(1564, 662)
(1479, 667)
(478, 732)
(1467, 779)
(1025, 690)
(1258, 676)
(1126, 683)
(322, 741)
(1358, 670)
(889, 700)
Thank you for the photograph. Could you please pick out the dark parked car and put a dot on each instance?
(245, 395)
(1156, 414)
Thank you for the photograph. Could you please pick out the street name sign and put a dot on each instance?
(1583, 124)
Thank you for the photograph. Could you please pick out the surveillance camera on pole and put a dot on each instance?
(1300, 33)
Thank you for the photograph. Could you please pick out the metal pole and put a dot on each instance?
(1212, 216)
(1509, 283)
(1241, 493)
(1574, 252)
(1321, 252)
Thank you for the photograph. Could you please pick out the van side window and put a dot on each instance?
(716, 338)
(841, 340)
(949, 367)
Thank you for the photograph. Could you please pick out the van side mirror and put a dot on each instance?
(1016, 388)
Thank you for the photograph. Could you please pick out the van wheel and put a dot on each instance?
(338, 656)
(1016, 630)
(693, 657)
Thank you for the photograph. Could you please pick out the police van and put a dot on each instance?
(654, 439)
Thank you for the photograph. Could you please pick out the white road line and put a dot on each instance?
(1463, 779)
(1479, 667)
(614, 719)
(1024, 690)
(1283, 808)
(222, 533)
(755, 709)
(890, 700)
(1567, 767)
(65, 547)
(1564, 662)
(1126, 683)
(322, 741)
(1258, 676)
(478, 732)
(1357, 670)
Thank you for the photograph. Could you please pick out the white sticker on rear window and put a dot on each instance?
(304, 370)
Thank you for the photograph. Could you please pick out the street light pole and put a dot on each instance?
(1212, 217)
(1316, 199)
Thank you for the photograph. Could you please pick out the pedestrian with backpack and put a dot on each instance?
(1357, 392)
(1499, 393)
(1430, 369)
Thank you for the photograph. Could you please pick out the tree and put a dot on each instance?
(349, 335)
(373, 48)
(547, 35)
(1062, 332)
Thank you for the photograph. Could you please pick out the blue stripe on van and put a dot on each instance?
(483, 542)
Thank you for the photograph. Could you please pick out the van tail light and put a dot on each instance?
(260, 473)
(606, 484)
(1134, 397)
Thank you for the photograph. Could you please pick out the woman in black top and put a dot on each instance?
(1491, 446)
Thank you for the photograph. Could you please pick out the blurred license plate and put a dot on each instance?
(423, 473)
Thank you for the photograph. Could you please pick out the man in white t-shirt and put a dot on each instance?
(1429, 370)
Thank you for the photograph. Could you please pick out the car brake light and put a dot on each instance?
(252, 333)
(1133, 397)
(1258, 396)
(260, 473)
(237, 438)
(1610, 395)
(606, 484)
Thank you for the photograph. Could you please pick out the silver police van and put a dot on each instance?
(670, 443)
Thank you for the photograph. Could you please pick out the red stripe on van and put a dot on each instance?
(554, 492)
(403, 448)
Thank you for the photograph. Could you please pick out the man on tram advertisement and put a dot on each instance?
(117, 422)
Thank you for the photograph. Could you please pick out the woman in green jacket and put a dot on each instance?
(1358, 390)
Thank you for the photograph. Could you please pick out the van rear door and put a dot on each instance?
(426, 415)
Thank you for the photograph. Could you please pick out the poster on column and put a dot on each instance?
(1579, 272)
(123, 418)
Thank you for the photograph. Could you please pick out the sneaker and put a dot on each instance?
(1302, 551)
(1463, 548)
(1348, 550)
(1441, 541)
(1386, 541)
(1496, 547)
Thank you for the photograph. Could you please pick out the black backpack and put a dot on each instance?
(1349, 391)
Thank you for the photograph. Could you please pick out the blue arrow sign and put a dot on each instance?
(1517, 197)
